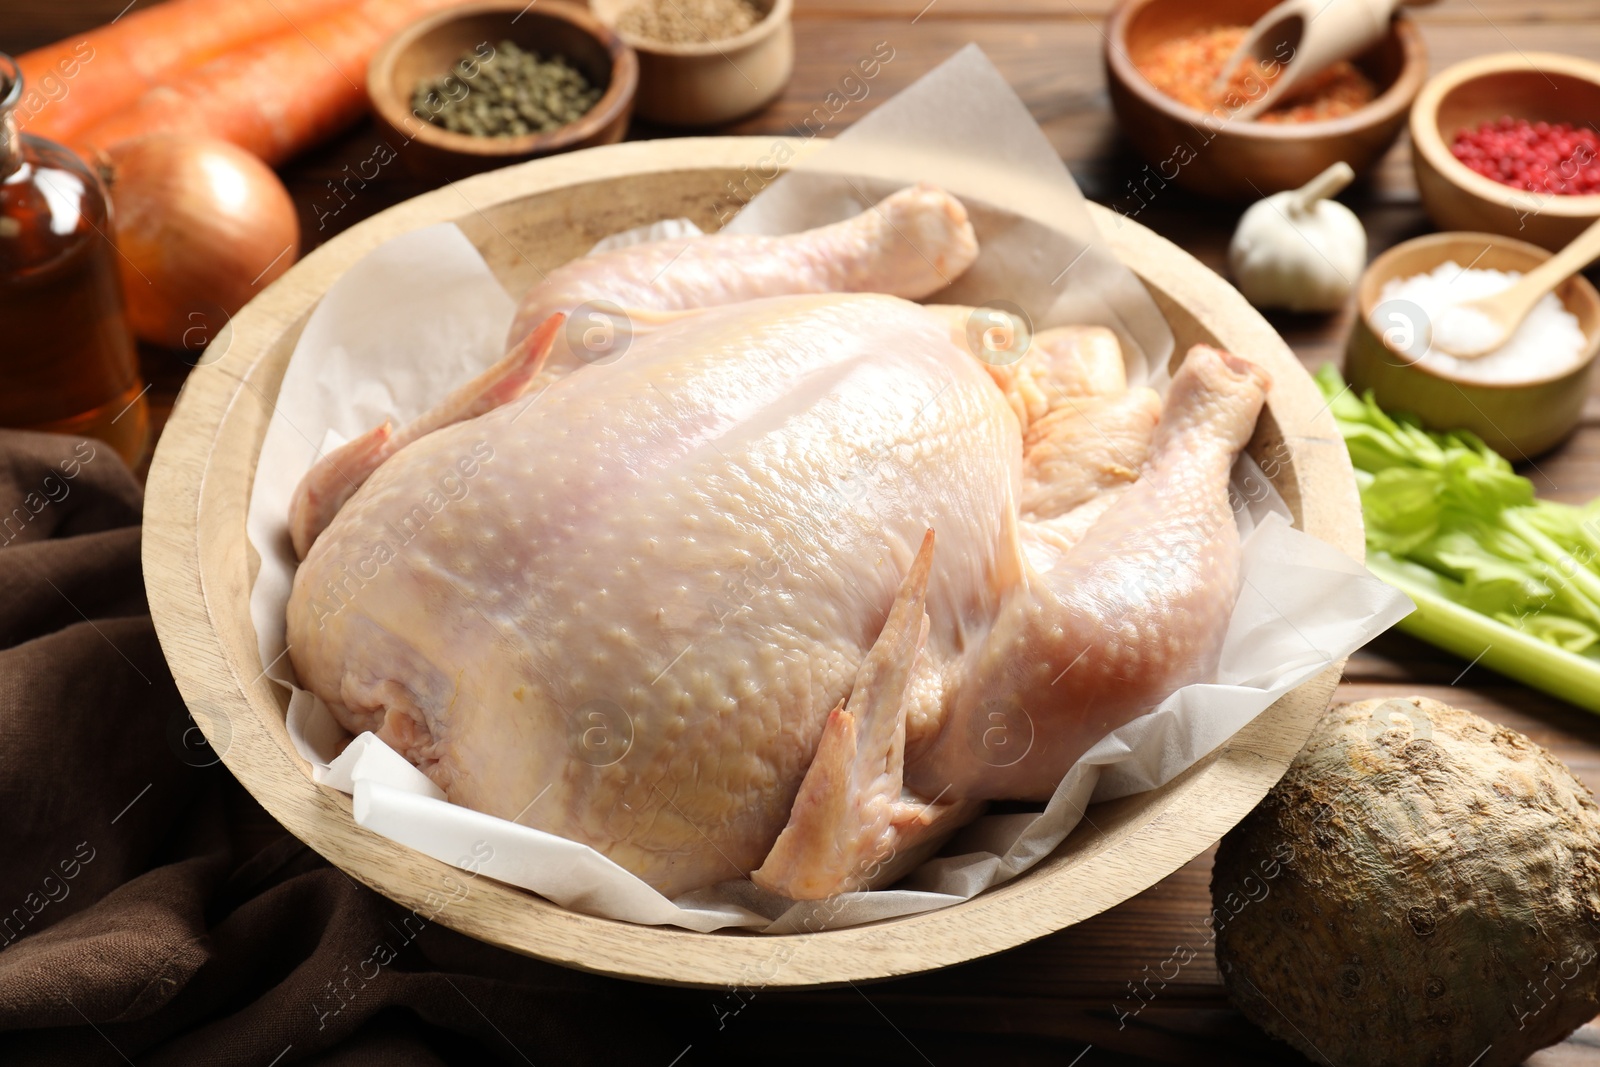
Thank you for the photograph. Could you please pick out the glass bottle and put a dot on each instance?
(67, 360)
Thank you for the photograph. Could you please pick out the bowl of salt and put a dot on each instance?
(1522, 398)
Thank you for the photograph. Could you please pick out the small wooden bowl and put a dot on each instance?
(429, 47)
(1209, 153)
(1518, 420)
(528, 219)
(711, 82)
(1525, 85)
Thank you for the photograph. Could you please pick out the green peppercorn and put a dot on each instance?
(509, 92)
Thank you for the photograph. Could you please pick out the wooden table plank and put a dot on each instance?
(29, 25)
(1446, 11)
(1042, 1002)
(1055, 67)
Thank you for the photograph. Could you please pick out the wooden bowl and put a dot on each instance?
(1212, 154)
(711, 82)
(1517, 420)
(528, 219)
(429, 47)
(1524, 85)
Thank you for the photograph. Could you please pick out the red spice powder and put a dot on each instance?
(1540, 157)
(1184, 68)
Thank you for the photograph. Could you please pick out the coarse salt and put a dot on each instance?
(1467, 331)
(1547, 344)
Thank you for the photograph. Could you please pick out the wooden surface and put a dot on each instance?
(1051, 1000)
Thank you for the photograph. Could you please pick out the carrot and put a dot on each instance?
(273, 98)
(78, 81)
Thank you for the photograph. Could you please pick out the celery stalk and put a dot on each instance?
(1498, 576)
(1553, 554)
(1454, 628)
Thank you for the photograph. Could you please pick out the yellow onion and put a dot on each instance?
(202, 226)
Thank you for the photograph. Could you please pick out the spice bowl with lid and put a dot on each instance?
(707, 61)
(1520, 406)
(418, 75)
(1217, 153)
(1527, 88)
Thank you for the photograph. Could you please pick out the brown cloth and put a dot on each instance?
(136, 928)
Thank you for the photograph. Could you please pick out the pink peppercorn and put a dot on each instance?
(1540, 157)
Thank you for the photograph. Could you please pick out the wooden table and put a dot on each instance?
(1052, 1000)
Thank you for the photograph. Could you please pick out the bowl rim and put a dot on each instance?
(1427, 139)
(1368, 290)
(781, 13)
(1384, 108)
(613, 103)
(198, 568)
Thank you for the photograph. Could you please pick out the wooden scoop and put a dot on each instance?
(1475, 328)
(1306, 37)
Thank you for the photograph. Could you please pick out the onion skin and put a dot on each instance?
(202, 226)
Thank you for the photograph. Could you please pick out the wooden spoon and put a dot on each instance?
(1304, 38)
(1475, 328)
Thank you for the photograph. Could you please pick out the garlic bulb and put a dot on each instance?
(1299, 250)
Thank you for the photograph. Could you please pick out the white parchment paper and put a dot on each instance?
(961, 127)
(422, 313)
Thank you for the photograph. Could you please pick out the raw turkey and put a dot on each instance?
(793, 582)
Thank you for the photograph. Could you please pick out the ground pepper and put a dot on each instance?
(1185, 68)
(688, 21)
(507, 92)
